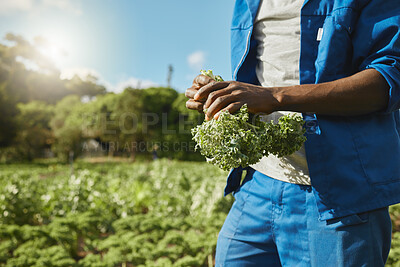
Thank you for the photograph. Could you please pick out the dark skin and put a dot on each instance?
(362, 93)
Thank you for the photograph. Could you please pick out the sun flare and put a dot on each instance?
(55, 47)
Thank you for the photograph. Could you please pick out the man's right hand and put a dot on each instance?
(198, 82)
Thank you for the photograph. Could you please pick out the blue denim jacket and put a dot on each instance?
(354, 161)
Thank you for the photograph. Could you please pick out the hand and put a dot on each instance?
(198, 82)
(231, 95)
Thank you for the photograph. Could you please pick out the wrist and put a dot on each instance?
(279, 95)
(290, 98)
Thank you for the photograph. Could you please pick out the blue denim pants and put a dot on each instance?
(274, 223)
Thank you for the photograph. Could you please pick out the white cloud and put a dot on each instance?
(10, 6)
(15, 5)
(67, 5)
(196, 60)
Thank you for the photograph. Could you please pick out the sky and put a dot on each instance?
(127, 42)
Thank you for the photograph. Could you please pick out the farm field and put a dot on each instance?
(161, 213)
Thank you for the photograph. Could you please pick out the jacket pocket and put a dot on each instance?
(335, 49)
(377, 143)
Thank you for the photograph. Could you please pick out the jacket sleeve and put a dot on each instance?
(376, 41)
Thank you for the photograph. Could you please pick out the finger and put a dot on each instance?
(220, 103)
(214, 95)
(190, 92)
(198, 82)
(202, 80)
(207, 89)
(231, 108)
(195, 105)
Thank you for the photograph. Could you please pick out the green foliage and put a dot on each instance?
(184, 120)
(152, 120)
(210, 74)
(34, 129)
(26, 75)
(129, 112)
(85, 87)
(30, 75)
(127, 123)
(67, 127)
(394, 255)
(242, 139)
(285, 137)
(159, 123)
(135, 121)
(163, 213)
(20, 201)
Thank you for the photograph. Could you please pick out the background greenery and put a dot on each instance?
(42, 115)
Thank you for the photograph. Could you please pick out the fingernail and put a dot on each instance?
(196, 97)
(216, 116)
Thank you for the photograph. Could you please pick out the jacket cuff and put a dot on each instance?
(389, 68)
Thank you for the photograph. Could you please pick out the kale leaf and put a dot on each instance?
(242, 139)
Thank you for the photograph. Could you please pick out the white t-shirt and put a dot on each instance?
(277, 30)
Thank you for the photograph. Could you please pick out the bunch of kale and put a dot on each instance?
(242, 139)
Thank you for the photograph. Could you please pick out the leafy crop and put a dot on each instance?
(210, 74)
(163, 213)
(242, 139)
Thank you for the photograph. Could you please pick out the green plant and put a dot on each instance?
(162, 213)
(242, 139)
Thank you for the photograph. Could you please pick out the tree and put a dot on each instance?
(67, 127)
(129, 112)
(34, 132)
(8, 113)
(85, 87)
(26, 75)
(184, 120)
(157, 119)
(12, 87)
(101, 123)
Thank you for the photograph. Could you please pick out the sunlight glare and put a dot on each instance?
(56, 47)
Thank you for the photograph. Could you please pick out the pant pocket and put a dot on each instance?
(353, 219)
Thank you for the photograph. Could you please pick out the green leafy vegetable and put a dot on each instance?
(210, 74)
(111, 214)
(242, 139)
